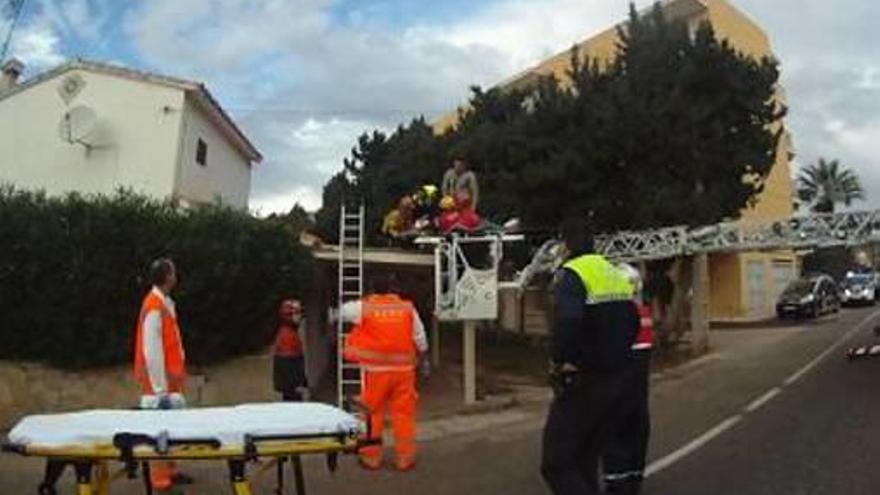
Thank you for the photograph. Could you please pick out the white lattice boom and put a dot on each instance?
(801, 232)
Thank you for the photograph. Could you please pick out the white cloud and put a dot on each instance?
(870, 78)
(306, 87)
(831, 79)
(86, 18)
(305, 196)
(525, 32)
(37, 45)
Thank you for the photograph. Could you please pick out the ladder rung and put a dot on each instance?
(351, 366)
(351, 382)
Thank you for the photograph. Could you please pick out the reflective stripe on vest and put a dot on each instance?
(602, 281)
(172, 347)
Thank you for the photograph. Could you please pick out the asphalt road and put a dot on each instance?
(773, 411)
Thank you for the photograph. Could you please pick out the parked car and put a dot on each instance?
(809, 296)
(859, 288)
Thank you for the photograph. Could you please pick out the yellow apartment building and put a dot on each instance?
(743, 286)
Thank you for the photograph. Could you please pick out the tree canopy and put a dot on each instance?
(677, 128)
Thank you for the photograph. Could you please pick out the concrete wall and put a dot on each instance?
(136, 139)
(725, 287)
(226, 174)
(31, 389)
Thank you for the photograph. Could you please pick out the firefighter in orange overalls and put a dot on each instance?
(388, 340)
(160, 362)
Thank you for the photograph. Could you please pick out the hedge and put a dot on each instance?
(73, 274)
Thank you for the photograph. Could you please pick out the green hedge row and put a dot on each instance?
(73, 271)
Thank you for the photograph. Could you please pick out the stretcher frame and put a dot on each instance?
(94, 476)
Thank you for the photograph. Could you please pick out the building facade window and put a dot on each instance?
(202, 153)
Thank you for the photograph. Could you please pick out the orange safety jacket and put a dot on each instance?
(172, 347)
(383, 339)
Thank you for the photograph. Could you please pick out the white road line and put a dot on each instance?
(670, 459)
(818, 359)
(664, 462)
(760, 401)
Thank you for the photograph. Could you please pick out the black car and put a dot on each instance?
(809, 297)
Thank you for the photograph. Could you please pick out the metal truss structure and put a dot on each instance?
(801, 232)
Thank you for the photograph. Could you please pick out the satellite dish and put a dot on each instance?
(77, 124)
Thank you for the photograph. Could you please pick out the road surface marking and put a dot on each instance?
(760, 401)
(670, 459)
(664, 462)
(818, 359)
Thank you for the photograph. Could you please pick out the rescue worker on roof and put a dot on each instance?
(160, 361)
(400, 220)
(426, 202)
(288, 363)
(595, 324)
(387, 341)
(623, 460)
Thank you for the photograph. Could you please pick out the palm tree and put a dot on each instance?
(825, 184)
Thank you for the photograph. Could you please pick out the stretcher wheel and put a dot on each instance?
(47, 489)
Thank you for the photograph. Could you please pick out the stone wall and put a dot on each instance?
(27, 388)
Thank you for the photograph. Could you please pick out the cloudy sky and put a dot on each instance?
(306, 77)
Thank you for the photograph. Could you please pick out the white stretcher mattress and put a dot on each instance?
(229, 425)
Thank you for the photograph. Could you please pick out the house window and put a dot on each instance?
(202, 153)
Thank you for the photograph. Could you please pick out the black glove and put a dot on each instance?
(561, 381)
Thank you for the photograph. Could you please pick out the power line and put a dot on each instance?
(14, 7)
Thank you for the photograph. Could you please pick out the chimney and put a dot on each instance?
(9, 73)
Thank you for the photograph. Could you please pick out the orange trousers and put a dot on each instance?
(162, 474)
(394, 392)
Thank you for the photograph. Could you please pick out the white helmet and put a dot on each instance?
(633, 275)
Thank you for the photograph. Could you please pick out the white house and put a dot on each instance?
(94, 128)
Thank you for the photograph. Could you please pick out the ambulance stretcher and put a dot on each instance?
(90, 441)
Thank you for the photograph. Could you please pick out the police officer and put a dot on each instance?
(623, 459)
(594, 326)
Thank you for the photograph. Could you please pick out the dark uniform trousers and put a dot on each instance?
(577, 429)
(624, 455)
